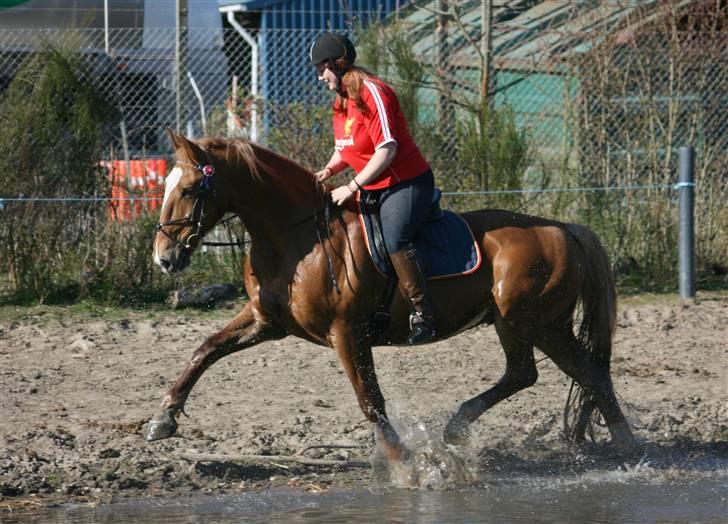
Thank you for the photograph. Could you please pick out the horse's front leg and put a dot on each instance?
(247, 329)
(355, 354)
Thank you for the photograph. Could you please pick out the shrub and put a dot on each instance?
(52, 124)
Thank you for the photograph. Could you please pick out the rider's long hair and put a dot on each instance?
(351, 83)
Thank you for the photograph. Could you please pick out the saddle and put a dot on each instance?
(445, 244)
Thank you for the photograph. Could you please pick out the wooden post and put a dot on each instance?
(486, 48)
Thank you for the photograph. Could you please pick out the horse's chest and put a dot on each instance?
(292, 310)
(276, 301)
(294, 297)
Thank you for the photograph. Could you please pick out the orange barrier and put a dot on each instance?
(143, 191)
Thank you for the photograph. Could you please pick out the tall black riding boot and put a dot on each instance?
(414, 286)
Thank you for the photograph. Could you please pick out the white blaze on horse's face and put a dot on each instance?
(170, 184)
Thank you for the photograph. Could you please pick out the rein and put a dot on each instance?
(223, 244)
(327, 218)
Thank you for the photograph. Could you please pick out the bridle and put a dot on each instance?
(197, 215)
(195, 218)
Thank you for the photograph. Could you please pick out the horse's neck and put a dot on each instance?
(278, 205)
(294, 184)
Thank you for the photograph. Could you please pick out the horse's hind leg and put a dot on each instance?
(520, 373)
(571, 357)
(582, 421)
(248, 328)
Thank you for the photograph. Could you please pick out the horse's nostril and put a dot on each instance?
(165, 264)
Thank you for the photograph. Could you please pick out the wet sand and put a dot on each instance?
(76, 389)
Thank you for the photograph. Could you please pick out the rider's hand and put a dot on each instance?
(324, 174)
(341, 194)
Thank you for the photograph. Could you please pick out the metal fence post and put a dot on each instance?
(180, 61)
(686, 187)
(253, 43)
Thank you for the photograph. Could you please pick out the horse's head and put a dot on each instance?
(191, 206)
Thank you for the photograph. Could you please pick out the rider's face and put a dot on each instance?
(326, 75)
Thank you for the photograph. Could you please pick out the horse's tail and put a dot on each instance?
(598, 297)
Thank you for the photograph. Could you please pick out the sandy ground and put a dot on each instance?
(77, 387)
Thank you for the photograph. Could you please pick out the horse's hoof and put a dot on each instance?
(162, 425)
(630, 447)
(391, 445)
(396, 453)
(402, 455)
(457, 432)
(624, 440)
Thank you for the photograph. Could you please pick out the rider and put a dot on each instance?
(371, 137)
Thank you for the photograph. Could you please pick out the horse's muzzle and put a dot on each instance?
(177, 261)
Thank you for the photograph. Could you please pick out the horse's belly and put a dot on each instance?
(459, 303)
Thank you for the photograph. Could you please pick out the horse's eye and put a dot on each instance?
(188, 192)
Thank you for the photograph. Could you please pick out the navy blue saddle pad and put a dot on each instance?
(446, 246)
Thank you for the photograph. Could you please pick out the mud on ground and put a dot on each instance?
(77, 387)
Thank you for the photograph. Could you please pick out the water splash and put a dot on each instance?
(432, 465)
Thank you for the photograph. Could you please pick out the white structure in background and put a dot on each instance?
(134, 43)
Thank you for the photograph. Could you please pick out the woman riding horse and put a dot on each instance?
(309, 274)
(371, 136)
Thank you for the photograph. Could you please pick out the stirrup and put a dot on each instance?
(421, 330)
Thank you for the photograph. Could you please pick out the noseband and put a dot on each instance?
(195, 218)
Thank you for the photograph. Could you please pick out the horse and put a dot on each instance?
(308, 273)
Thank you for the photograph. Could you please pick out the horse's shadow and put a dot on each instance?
(231, 471)
(683, 454)
(260, 472)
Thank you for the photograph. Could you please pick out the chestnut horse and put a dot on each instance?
(309, 274)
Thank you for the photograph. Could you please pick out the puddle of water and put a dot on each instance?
(634, 496)
(443, 484)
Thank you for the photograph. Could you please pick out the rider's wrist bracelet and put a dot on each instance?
(356, 183)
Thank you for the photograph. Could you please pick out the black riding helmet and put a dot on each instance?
(331, 47)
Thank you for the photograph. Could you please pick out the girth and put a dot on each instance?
(381, 317)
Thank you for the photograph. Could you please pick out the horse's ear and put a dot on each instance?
(175, 138)
(179, 141)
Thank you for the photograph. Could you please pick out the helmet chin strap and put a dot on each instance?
(340, 82)
(339, 73)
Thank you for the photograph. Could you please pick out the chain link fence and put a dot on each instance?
(581, 97)
(140, 74)
(567, 87)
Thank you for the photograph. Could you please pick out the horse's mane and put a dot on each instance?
(265, 166)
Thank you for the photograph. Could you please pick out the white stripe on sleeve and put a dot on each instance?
(384, 143)
(383, 121)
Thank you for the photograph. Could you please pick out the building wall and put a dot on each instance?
(289, 28)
